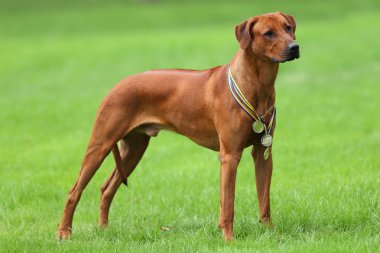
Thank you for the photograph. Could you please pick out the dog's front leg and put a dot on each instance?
(263, 172)
(229, 162)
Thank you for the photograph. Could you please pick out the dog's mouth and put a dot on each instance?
(287, 57)
(293, 57)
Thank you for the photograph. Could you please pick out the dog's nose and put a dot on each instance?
(293, 47)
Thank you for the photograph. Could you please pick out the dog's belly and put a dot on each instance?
(206, 137)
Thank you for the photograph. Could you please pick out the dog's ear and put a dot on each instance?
(292, 22)
(243, 32)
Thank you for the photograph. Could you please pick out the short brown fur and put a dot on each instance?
(198, 105)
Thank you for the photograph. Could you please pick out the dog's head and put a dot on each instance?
(269, 36)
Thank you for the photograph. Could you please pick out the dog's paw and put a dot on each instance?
(266, 223)
(103, 224)
(64, 234)
(228, 234)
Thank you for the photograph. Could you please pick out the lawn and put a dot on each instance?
(58, 60)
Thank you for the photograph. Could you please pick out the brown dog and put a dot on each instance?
(198, 105)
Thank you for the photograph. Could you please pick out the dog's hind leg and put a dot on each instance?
(109, 128)
(132, 149)
(94, 157)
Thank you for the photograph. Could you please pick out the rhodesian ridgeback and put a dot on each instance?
(205, 106)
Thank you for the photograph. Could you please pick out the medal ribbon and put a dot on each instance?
(245, 105)
(240, 99)
(271, 120)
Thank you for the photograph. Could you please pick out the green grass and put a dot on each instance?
(57, 62)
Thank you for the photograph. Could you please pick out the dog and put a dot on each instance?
(207, 106)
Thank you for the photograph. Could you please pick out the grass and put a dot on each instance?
(59, 60)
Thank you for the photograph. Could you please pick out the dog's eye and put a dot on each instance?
(288, 28)
(269, 34)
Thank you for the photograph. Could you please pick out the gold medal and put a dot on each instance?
(266, 140)
(258, 126)
(266, 153)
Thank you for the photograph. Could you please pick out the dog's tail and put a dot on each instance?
(119, 164)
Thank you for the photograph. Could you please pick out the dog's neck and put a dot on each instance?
(255, 77)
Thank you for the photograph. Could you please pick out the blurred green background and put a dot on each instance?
(58, 59)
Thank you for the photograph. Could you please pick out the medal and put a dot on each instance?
(266, 140)
(258, 126)
(266, 153)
